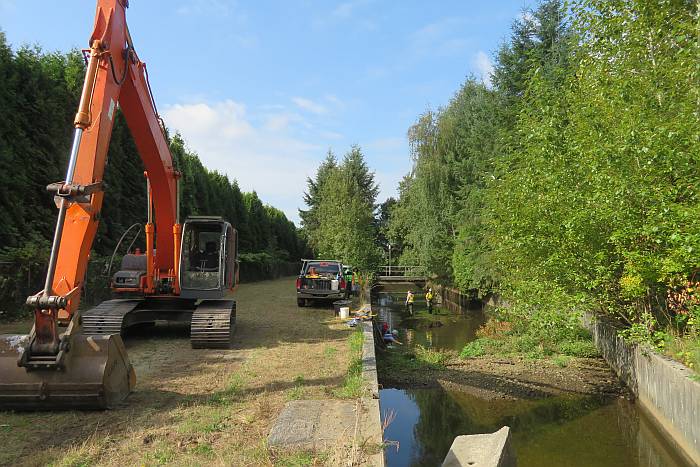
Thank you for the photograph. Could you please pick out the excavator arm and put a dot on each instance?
(115, 77)
(48, 369)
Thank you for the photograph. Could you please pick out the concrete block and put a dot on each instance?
(487, 450)
(313, 424)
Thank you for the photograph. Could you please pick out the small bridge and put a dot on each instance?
(401, 274)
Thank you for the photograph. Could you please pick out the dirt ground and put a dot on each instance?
(502, 377)
(198, 407)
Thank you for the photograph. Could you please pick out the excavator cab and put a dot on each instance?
(209, 258)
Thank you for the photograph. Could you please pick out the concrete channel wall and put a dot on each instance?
(662, 386)
(373, 419)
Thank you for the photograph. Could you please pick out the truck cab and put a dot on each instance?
(321, 280)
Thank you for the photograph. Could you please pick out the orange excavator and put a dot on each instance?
(74, 359)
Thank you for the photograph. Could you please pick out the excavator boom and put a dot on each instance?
(55, 366)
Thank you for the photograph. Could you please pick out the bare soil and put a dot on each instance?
(507, 377)
(198, 407)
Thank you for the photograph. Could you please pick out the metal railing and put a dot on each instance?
(402, 271)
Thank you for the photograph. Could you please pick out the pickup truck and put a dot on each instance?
(321, 280)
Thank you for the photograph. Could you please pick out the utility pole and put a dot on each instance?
(390, 259)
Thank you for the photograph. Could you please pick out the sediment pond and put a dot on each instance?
(559, 422)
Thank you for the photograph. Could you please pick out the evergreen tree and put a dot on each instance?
(312, 198)
(343, 226)
(38, 97)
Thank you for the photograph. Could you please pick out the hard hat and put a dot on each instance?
(394, 332)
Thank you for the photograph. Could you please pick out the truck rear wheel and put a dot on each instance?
(301, 302)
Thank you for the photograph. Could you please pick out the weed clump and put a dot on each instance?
(534, 338)
(431, 357)
(353, 385)
(473, 349)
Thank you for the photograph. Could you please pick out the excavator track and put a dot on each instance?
(213, 323)
(107, 317)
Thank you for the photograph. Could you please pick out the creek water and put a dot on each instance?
(572, 430)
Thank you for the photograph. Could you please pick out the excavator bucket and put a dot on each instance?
(95, 374)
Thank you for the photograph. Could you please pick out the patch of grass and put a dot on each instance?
(353, 385)
(297, 392)
(231, 393)
(76, 458)
(329, 352)
(259, 454)
(529, 346)
(400, 362)
(85, 454)
(562, 361)
(483, 346)
(356, 339)
(473, 349)
(578, 348)
(299, 459)
(206, 420)
(498, 337)
(160, 456)
(685, 349)
(204, 449)
(431, 357)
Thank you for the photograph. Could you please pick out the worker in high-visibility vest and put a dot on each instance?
(429, 299)
(409, 301)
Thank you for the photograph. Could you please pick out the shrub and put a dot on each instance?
(472, 349)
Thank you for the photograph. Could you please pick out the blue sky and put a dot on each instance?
(262, 89)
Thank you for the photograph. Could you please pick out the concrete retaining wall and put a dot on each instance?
(663, 387)
(372, 419)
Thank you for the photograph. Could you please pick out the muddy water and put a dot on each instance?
(440, 330)
(557, 431)
(561, 431)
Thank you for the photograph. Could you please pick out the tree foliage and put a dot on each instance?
(340, 222)
(573, 180)
(39, 94)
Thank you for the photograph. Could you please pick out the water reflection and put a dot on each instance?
(550, 431)
(441, 330)
(571, 431)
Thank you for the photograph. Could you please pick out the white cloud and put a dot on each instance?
(330, 135)
(334, 100)
(309, 105)
(345, 12)
(442, 37)
(262, 157)
(246, 41)
(387, 144)
(484, 67)
(8, 6)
